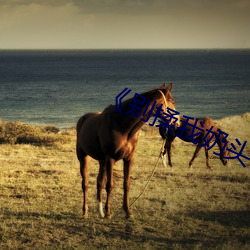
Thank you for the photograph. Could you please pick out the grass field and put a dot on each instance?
(182, 208)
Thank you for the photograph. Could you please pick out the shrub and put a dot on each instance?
(52, 129)
(21, 133)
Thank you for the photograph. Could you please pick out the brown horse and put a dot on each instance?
(111, 136)
(170, 135)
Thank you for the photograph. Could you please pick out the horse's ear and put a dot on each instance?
(169, 88)
(163, 86)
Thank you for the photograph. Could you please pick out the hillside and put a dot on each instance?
(41, 198)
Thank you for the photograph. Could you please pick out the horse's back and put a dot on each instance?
(85, 118)
(186, 128)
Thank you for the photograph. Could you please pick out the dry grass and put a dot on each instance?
(41, 198)
(21, 133)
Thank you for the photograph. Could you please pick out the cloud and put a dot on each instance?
(17, 3)
(42, 26)
(139, 7)
(124, 23)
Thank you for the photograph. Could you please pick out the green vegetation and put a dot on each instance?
(182, 208)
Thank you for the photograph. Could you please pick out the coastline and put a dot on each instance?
(13, 133)
(69, 126)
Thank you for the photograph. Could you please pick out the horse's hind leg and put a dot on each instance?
(84, 169)
(207, 157)
(100, 185)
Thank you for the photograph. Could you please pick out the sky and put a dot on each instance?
(124, 24)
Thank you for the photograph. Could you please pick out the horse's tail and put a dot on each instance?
(78, 129)
(79, 123)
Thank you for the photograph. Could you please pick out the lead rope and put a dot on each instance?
(164, 98)
(157, 162)
(149, 179)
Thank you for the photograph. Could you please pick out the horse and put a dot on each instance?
(200, 138)
(110, 136)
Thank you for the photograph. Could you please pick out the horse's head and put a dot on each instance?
(168, 101)
(225, 153)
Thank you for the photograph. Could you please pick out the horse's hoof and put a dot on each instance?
(130, 216)
(85, 216)
(108, 216)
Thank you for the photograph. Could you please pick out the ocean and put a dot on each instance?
(57, 87)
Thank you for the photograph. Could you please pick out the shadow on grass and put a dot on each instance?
(240, 178)
(115, 232)
(236, 219)
(97, 231)
(35, 215)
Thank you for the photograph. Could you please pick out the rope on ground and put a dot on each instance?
(150, 177)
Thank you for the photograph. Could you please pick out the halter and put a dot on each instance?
(166, 104)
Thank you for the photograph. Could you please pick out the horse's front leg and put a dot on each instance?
(126, 185)
(195, 155)
(100, 185)
(110, 183)
(163, 153)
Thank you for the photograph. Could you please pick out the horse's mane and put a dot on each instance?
(146, 94)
